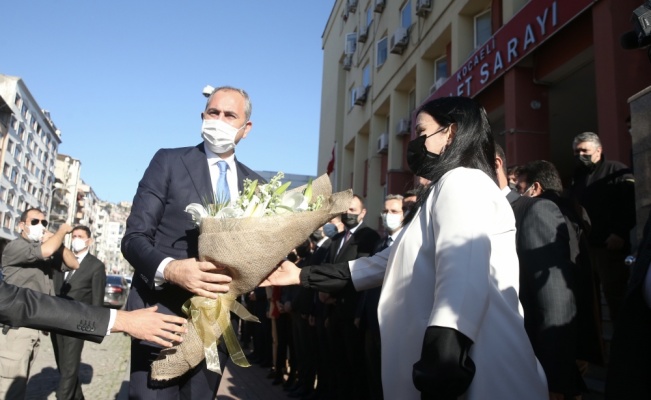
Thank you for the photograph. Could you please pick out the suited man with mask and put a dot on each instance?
(161, 240)
(357, 240)
(87, 285)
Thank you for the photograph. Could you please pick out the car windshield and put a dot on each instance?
(114, 279)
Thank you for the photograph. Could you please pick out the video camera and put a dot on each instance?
(640, 36)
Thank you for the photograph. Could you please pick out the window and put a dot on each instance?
(369, 16)
(366, 76)
(382, 52)
(6, 221)
(10, 198)
(440, 71)
(3, 194)
(14, 123)
(352, 94)
(24, 110)
(405, 15)
(483, 30)
(18, 101)
(351, 43)
(21, 131)
(6, 170)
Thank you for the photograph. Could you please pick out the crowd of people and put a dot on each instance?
(570, 243)
(483, 281)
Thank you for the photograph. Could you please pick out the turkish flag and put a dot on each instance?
(331, 164)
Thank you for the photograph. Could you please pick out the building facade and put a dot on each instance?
(545, 70)
(28, 151)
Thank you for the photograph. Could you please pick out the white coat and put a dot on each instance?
(455, 265)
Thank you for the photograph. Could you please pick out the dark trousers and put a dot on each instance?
(199, 383)
(67, 353)
(373, 348)
(347, 346)
(613, 276)
(283, 345)
(304, 337)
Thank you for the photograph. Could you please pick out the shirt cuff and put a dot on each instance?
(159, 279)
(112, 315)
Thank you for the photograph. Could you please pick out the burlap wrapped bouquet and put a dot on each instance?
(251, 248)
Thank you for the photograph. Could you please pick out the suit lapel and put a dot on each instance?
(196, 165)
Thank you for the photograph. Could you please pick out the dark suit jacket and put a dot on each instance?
(87, 284)
(20, 307)
(547, 285)
(158, 226)
(629, 371)
(361, 244)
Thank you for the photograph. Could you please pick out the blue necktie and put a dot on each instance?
(223, 194)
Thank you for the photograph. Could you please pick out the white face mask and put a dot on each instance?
(78, 244)
(392, 221)
(218, 136)
(36, 232)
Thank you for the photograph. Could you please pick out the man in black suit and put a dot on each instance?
(87, 285)
(357, 240)
(547, 285)
(22, 307)
(161, 240)
(629, 371)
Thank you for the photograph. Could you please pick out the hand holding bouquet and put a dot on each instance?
(250, 237)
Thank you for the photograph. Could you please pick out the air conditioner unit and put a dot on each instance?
(383, 143)
(361, 93)
(399, 41)
(423, 7)
(379, 6)
(362, 35)
(352, 6)
(348, 62)
(403, 127)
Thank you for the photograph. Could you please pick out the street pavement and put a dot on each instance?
(104, 374)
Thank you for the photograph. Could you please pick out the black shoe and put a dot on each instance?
(277, 381)
(271, 375)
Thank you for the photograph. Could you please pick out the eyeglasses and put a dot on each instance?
(36, 221)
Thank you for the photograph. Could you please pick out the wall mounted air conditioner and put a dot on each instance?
(383, 143)
(348, 62)
(403, 127)
(399, 41)
(423, 7)
(362, 35)
(361, 94)
(352, 6)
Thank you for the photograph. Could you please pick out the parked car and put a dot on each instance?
(116, 292)
(129, 279)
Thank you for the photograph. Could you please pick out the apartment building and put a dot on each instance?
(28, 150)
(545, 70)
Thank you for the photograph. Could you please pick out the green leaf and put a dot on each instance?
(308, 191)
(282, 189)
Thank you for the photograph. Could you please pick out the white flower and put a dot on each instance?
(197, 211)
(293, 201)
(229, 212)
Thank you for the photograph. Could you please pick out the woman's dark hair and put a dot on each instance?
(472, 145)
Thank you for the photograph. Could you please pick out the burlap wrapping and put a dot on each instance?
(250, 248)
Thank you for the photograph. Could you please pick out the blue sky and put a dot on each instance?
(123, 78)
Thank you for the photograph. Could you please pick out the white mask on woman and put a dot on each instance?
(218, 136)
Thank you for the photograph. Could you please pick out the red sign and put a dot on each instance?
(536, 22)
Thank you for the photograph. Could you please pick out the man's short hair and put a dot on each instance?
(543, 172)
(393, 197)
(587, 137)
(82, 228)
(360, 200)
(499, 152)
(23, 216)
(248, 107)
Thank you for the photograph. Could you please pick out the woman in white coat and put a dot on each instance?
(450, 320)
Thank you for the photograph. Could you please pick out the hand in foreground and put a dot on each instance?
(147, 324)
(287, 274)
(202, 278)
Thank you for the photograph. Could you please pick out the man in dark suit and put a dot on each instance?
(87, 285)
(161, 240)
(629, 371)
(547, 285)
(22, 307)
(357, 240)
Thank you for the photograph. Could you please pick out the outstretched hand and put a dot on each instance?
(286, 274)
(147, 324)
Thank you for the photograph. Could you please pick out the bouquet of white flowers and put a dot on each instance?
(250, 237)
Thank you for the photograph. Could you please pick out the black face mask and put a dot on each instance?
(350, 220)
(583, 161)
(419, 158)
